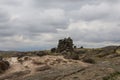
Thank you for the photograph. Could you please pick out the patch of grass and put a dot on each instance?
(112, 76)
(89, 60)
(73, 56)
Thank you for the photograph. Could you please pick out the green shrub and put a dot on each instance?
(41, 53)
(81, 47)
(53, 50)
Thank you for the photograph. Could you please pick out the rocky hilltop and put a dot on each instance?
(65, 62)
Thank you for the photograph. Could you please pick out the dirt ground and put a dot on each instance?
(58, 68)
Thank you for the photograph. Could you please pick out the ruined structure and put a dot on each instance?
(65, 44)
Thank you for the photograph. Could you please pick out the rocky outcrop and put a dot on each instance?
(4, 65)
(65, 44)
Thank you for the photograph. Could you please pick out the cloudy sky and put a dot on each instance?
(38, 24)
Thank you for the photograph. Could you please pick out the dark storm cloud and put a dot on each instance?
(33, 22)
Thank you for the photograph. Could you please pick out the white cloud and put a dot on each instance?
(38, 24)
(95, 32)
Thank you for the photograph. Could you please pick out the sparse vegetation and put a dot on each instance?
(53, 50)
(81, 47)
(89, 60)
(75, 47)
(112, 76)
(41, 53)
(71, 56)
(66, 62)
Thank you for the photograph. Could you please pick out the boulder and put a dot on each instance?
(4, 65)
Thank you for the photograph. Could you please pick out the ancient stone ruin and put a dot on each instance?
(65, 44)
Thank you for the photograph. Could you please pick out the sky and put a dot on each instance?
(39, 24)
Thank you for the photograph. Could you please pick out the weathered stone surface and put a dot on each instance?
(4, 65)
(65, 44)
(56, 73)
(15, 75)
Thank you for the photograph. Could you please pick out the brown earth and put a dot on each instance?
(51, 67)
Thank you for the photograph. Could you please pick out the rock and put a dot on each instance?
(65, 44)
(12, 76)
(43, 68)
(4, 65)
